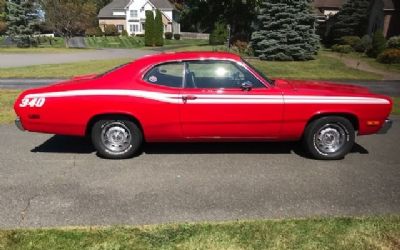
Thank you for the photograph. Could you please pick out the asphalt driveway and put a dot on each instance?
(24, 59)
(50, 180)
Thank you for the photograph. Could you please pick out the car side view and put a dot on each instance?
(202, 97)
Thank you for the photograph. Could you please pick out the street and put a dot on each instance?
(48, 180)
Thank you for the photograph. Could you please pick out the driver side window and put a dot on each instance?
(218, 74)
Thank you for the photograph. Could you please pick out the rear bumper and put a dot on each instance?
(386, 127)
(19, 124)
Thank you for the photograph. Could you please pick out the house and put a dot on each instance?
(130, 15)
(390, 22)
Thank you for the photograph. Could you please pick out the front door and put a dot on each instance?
(223, 100)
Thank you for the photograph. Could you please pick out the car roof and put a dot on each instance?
(192, 55)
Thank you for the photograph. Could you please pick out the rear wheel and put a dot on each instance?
(116, 139)
(329, 138)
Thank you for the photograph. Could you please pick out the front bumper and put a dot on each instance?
(19, 124)
(386, 126)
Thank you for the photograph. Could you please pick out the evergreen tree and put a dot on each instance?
(149, 29)
(352, 20)
(158, 29)
(3, 25)
(286, 31)
(21, 20)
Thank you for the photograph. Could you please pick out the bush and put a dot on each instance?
(3, 27)
(149, 33)
(219, 35)
(95, 31)
(350, 40)
(177, 36)
(394, 42)
(243, 48)
(139, 35)
(389, 56)
(110, 30)
(378, 44)
(124, 33)
(168, 35)
(158, 29)
(364, 44)
(344, 49)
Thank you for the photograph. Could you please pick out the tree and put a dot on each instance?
(286, 31)
(378, 44)
(69, 17)
(3, 19)
(201, 16)
(158, 29)
(149, 29)
(22, 18)
(219, 35)
(352, 20)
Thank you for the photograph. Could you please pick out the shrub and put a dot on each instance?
(110, 30)
(378, 44)
(394, 42)
(219, 35)
(389, 56)
(350, 40)
(3, 27)
(139, 35)
(149, 33)
(177, 36)
(243, 48)
(95, 31)
(158, 29)
(124, 33)
(168, 35)
(364, 44)
(344, 49)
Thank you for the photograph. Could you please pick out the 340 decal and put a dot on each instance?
(32, 102)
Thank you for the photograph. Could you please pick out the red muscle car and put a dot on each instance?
(202, 96)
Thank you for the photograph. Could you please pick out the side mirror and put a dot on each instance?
(246, 86)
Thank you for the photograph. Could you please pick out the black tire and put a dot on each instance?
(329, 138)
(116, 138)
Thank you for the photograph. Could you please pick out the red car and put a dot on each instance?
(202, 96)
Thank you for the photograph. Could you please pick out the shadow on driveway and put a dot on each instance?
(82, 145)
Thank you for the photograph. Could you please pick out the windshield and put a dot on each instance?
(112, 70)
(259, 72)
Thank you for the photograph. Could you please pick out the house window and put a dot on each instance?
(143, 27)
(134, 13)
(134, 28)
(120, 28)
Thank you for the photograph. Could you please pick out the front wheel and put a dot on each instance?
(329, 138)
(116, 139)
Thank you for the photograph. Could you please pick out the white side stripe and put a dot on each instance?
(218, 98)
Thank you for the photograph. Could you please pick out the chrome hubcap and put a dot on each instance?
(330, 138)
(116, 137)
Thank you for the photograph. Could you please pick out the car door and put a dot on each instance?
(225, 100)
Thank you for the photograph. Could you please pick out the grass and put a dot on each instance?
(372, 62)
(14, 50)
(323, 68)
(61, 70)
(126, 42)
(396, 106)
(7, 99)
(327, 233)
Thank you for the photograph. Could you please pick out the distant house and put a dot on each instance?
(390, 22)
(130, 15)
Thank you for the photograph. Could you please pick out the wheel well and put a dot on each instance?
(99, 117)
(352, 118)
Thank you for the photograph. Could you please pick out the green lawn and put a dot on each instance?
(61, 70)
(323, 68)
(14, 50)
(126, 42)
(329, 233)
(396, 106)
(7, 99)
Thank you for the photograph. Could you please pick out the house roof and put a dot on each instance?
(107, 11)
(388, 4)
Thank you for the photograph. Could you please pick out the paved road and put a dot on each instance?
(391, 88)
(20, 60)
(58, 181)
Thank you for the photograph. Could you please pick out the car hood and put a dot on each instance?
(320, 87)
